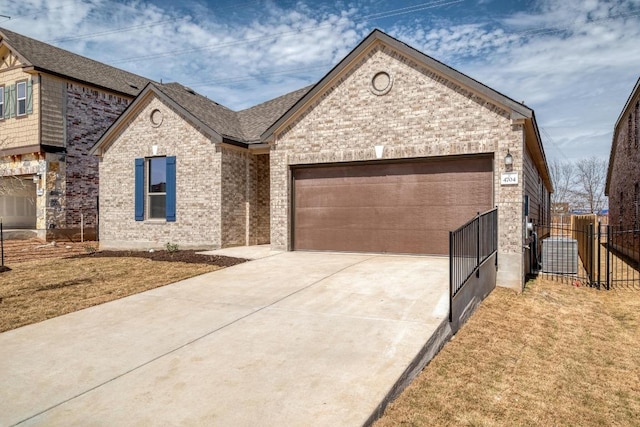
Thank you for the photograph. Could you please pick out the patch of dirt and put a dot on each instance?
(17, 251)
(187, 256)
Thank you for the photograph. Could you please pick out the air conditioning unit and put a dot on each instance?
(560, 255)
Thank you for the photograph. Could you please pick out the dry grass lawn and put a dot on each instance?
(554, 355)
(52, 284)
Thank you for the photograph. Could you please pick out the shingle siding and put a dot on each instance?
(20, 131)
(54, 109)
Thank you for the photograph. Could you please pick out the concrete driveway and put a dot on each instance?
(294, 338)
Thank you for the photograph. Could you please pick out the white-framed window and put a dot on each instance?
(157, 187)
(1, 102)
(21, 98)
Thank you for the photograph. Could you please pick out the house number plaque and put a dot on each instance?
(509, 178)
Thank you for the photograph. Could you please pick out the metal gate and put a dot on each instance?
(588, 253)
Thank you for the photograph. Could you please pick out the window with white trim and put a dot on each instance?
(157, 187)
(1, 102)
(21, 98)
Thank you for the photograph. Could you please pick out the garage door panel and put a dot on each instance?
(405, 207)
(392, 217)
(409, 194)
(18, 203)
(388, 241)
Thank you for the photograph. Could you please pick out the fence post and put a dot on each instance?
(598, 255)
(451, 249)
(478, 245)
(608, 274)
(2, 242)
(495, 234)
(589, 254)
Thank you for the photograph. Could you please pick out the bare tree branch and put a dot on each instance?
(563, 176)
(591, 175)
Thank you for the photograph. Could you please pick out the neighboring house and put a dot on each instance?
(387, 153)
(54, 105)
(623, 175)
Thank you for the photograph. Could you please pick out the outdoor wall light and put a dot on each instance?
(508, 159)
(154, 150)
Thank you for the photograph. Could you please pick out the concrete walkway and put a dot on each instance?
(292, 339)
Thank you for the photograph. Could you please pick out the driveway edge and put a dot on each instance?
(432, 347)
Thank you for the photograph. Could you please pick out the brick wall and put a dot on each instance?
(261, 217)
(245, 198)
(625, 173)
(431, 116)
(237, 193)
(198, 171)
(88, 113)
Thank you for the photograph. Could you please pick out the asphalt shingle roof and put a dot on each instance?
(64, 63)
(216, 116)
(242, 126)
(255, 120)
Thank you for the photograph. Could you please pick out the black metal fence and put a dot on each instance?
(588, 253)
(469, 246)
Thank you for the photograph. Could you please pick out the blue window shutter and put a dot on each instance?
(171, 189)
(139, 192)
(29, 96)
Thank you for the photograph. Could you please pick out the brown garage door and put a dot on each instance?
(407, 207)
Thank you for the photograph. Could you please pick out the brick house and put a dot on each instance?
(386, 153)
(178, 167)
(54, 105)
(623, 175)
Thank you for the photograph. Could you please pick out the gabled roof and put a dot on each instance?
(518, 109)
(221, 124)
(244, 126)
(625, 111)
(49, 59)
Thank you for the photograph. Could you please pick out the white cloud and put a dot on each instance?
(573, 61)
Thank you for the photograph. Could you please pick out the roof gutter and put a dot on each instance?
(229, 141)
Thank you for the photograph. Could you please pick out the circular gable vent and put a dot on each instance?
(381, 83)
(156, 118)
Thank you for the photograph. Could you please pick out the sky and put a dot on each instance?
(574, 62)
